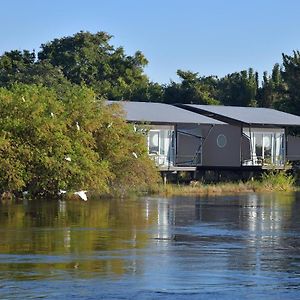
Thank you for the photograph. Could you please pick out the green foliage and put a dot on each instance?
(192, 89)
(22, 67)
(125, 149)
(277, 180)
(60, 140)
(291, 75)
(90, 59)
(273, 89)
(238, 89)
(83, 58)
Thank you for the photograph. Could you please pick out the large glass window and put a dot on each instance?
(267, 146)
(161, 146)
(268, 140)
(258, 140)
(153, 142)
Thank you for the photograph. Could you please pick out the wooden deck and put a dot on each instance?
(176, 168)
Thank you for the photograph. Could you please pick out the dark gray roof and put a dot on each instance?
(161, 113)
(246, 115)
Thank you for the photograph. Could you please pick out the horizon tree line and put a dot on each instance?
(91, 60)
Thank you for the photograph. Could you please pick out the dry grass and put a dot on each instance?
(271, 182)
(204, 189)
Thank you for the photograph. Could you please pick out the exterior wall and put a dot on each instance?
(293, 148)
(189, 141)
(221, 147)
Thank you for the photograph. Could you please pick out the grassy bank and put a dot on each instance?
(269, 182)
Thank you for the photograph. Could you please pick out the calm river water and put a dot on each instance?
(223, 247)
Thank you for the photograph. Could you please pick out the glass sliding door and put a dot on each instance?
(258, 147)
(153, 141)
(267, 146)
(268, 155)
(161, 146)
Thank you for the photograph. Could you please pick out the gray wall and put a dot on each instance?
(293, 148)
(227, 156)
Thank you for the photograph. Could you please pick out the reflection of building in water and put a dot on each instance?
(265, 214)
(175, 212)
(265, 217)
(165, 218)
(163, 210)
(67, 237)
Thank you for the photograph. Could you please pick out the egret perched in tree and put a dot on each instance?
(68, 158)
(134, 154)
(77, 126)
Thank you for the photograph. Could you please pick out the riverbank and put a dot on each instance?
(277, 181)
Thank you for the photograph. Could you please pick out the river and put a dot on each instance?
(219, 247)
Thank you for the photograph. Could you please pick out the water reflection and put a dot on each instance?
(72, 235)
(235, 244)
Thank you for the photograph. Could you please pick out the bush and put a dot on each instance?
(278, 180)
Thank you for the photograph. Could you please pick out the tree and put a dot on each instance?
(51, 141)
(83, 58)
(192, 89)
(291, 77)
(239, 88)
(90, 59)
(22, 67)
(273, 89)
(14, 65)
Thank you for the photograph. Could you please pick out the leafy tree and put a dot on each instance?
(14, 65)
(291, 77)
(150, 92)
(192, 89)
(90, 59)
(273, 89)
(51, 141)
(83, 58)
(125, 149)
(22, 67)
(238, 89)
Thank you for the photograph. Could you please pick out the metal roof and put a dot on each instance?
(245, 115)
(161, 113)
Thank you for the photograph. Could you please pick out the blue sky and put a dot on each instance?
(210, 37)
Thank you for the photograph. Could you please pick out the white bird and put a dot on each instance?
(109, 125)
(25, 193)
(52, 114)
(68, 158)
(61, 192)
(82, 195)
(134, 154)
(77, 126)
(23, 99)
(134, 128)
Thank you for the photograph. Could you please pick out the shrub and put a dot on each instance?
(278, 180)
